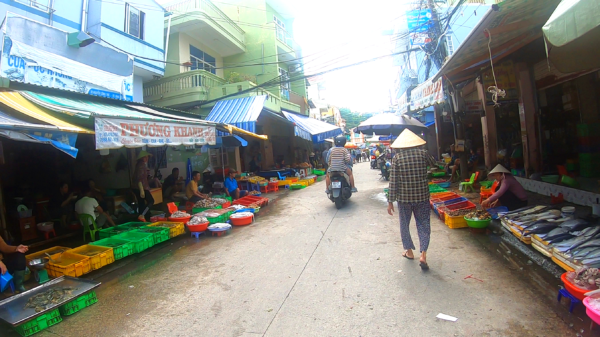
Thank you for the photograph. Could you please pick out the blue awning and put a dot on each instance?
(317, 129)
(18, 130)
(241, 112)
(429, 124)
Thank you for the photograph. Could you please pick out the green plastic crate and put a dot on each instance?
(140, 241)
(133, 225)
(223, 196)
(159, 234)
(121, 248)
(78, 304)
(110, 232)
(438, 174)
(39, 323)
(221, 218)
(198, 210)
(587, 130)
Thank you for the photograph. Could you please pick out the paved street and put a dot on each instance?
(306, 269)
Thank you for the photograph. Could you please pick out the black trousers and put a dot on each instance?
(14, 261)
(510, 200)
(145, 203)
(194, 199)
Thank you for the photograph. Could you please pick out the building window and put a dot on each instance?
(43, 5)
(134, 21)
(279, 29)
(449, 43)
(284, 77)
(202, 61)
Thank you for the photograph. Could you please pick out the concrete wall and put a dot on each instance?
(67, 14)
(184, 52)
(138, 89)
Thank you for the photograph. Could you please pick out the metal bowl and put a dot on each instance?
(39, 264)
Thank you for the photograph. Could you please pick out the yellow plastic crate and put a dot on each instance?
(282, 182)
(99, 256)
(175, 228)
(308, 181)
(302, 182)
(69, 264)
(54, 253)
(292, 179)
(455, 222)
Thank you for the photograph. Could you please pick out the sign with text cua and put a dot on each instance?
(116, 133)
(426, 94)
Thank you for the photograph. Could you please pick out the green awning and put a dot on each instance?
(573, 35)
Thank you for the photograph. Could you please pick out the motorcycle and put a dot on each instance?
(384, 166)
(373, 162)
(340, 189)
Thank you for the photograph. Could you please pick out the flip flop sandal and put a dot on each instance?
(424, 266)
(407, 257)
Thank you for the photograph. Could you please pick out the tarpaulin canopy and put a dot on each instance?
(572, 34)
(513, 25)
(390, 124)
(18, 130)
(318, 130)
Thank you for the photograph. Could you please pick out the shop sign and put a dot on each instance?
(17, 64)
(116, 133)
(403, 104)
(473, 106)
(426, 94)
(419, 24)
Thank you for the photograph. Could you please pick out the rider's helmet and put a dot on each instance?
(340, 141)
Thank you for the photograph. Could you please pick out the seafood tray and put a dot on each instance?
(140, 241)
(133, 225)
(54, 253)
(121, 248)
(69, 264)
(175, 228)
(202, 209)
(159, 234)
(99, 256)
(223, 196)
(249, 200)
(78, 304)
(13, 310)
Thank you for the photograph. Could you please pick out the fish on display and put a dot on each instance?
(556, 231)
(559, 238)
(566, 245)
(588, 234)
(541, 227)
(591, 243)
(48, 298)
(524, 213)
(575, 225)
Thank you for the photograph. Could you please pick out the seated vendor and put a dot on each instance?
(191, 190)
(61, 204)
(13, 261)
(510, 193)
(88, 205)
(473, 160)
(231, 186)
(170, 186)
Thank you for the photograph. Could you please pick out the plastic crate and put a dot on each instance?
(121, 248)
(39, 323)
(221, 218)
(453, 207)
(175, 228)
(78, 304)
(112, 231)
(140, 241)
(455, 222)
(438, 174)
(133, 225)
(54, 253)
(69, 264)
(99, 256)
(223, 196)
(198, 209)
(159, 234)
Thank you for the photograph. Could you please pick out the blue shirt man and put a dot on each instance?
(231, 186)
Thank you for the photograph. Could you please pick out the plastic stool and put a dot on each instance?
(47, 234)
(264, 189)
(196, 234)
(567, 294)
(273, 187)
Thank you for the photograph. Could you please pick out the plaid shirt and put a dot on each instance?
(408, 176)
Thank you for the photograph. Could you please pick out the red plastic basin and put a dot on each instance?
(241, 221)
(573, 289)
(198, 228)
(184, 220)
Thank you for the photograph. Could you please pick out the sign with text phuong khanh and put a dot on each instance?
(116, 133)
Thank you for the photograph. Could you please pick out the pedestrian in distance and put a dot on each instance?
(410, 189)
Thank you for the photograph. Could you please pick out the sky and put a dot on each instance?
(335, 33)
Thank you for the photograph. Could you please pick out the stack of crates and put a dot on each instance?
(588, 136)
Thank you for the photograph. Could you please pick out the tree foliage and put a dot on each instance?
(353, 119)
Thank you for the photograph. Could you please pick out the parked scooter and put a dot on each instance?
(373, 162)
(384, 166)
(340, 189)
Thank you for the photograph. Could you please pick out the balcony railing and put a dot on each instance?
(212, 12)
(186, 80)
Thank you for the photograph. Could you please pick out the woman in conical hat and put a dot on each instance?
(510, 193)
(410, 189)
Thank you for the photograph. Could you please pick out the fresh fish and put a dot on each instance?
(566, 245)
(575, 225)
(540, 229)
(589, 234)
(591, 261)
(592, 243)
(581, 253)
(524, 211)
(520, 210)
(595, 253)
(556, 231)
(559, 238)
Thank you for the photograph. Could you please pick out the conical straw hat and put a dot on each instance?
(408, 139)
(499, 169)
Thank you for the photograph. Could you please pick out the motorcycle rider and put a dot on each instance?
(339, 160)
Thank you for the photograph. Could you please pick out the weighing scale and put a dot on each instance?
(38, 268)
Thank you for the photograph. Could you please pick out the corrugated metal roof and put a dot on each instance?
(317, 129)
(241, 112)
